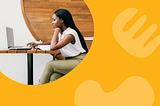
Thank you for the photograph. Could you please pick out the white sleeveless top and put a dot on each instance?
(71, 50)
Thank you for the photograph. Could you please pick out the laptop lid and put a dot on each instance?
(10, 38)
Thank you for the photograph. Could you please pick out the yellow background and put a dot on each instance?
(107, 62)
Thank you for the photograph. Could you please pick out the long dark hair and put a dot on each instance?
(66, 16)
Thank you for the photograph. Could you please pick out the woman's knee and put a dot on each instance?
(49, 66)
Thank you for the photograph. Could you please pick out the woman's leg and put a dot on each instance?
(48, 71)
(55, 76)
(57, 66)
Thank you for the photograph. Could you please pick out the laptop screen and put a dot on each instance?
(10, 39)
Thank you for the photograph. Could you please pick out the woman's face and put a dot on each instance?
(57, 22)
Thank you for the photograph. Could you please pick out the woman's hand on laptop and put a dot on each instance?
(32, 44)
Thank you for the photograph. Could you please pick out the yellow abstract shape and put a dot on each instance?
(134, 91)
(125, 38)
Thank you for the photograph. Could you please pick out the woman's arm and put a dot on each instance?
(36, 44)
(54, 40)
(57, 45)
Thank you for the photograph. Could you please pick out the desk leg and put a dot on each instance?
(30, 68)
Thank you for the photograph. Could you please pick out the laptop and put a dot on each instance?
(10, 41)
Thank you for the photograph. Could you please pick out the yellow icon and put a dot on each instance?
(135, 46)
(134, 91)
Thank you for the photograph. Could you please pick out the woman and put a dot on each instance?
(71, 43)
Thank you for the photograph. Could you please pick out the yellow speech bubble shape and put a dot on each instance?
(125, 38)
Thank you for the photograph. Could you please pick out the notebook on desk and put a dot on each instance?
(10, 41)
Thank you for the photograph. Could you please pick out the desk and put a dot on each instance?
(30, 59)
